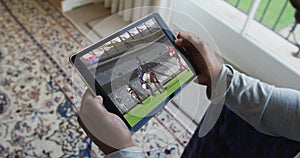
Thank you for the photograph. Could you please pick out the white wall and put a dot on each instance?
(68, 5)
(240, 51)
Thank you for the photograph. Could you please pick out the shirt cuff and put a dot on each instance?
(222, 85)
(130, 152)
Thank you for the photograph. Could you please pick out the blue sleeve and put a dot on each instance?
(282, 114)
(273, 111)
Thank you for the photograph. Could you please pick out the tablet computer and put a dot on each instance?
(136, 70)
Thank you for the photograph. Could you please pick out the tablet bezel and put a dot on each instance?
(96, 88)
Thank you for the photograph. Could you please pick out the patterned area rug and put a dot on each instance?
(39, 90)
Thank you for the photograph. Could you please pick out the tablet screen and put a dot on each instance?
(139, 69)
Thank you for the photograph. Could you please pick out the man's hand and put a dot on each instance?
(202, 56)
(107, 130)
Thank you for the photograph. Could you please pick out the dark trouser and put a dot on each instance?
(231, 137)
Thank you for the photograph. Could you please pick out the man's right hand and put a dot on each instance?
(202, 56)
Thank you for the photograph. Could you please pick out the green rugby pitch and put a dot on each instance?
(142, 110)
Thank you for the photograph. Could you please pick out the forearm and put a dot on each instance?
(248, 98)
(282, 115)
(273, 111)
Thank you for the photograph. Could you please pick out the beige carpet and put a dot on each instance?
(40, 93)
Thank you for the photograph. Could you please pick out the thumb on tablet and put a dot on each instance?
(100, 100)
